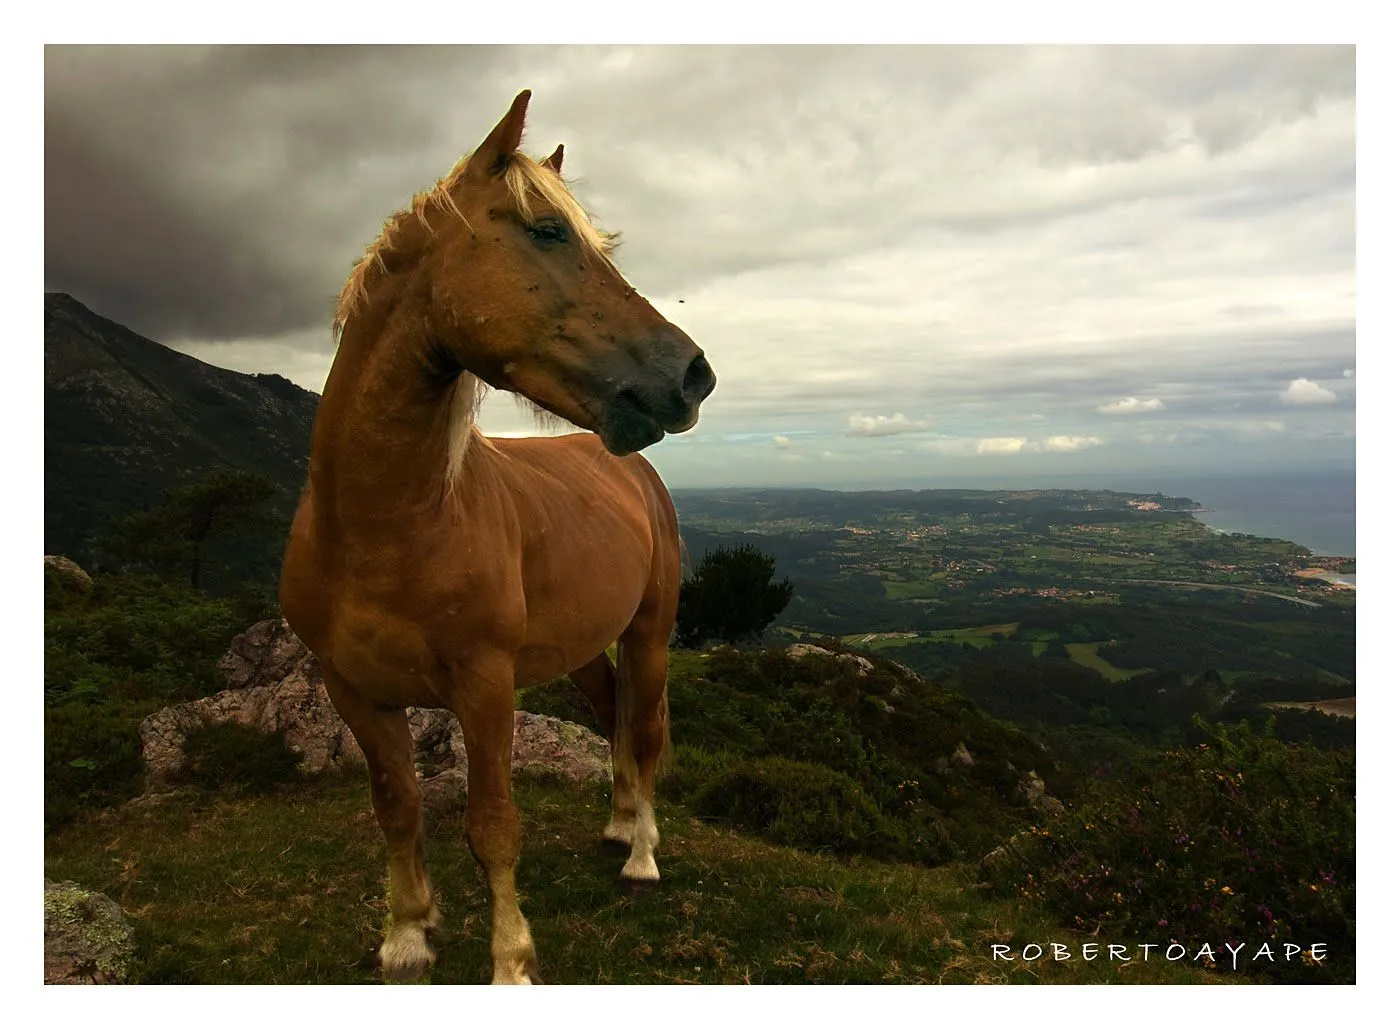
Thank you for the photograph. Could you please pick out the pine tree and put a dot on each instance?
(730, 596)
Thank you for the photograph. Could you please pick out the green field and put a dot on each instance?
(1087, 654)
(979, 636)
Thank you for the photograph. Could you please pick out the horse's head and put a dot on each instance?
(522, 294)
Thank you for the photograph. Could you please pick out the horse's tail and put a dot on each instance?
(685, 555)
(626, 708)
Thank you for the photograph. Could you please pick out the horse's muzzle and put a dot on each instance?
(642, 412)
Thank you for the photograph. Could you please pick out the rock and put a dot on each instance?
(961, 755)
(863, 665)
(547, 744)
(276, 685)
(908, 673)
(65, 576)
(996, 857)
(445, 794)
(266, 653)
(1032, 790)
(87, 939)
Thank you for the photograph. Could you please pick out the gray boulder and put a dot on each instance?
(1031, 789)
(87, 939)
(65, 575)
(276, 684)
(862, 665)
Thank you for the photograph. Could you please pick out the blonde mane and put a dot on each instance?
(525, 178)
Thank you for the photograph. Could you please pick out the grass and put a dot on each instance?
(901, 589)
(978, 636)
(1087, 654)
(288, 887)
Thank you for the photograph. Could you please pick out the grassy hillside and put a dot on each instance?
(289, 888)
(826, 821)
(126, 419)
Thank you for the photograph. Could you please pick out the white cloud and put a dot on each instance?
(883, 425)
(782, 442)
(1065, 444)
(1001, 445)
(1349, 373)
(1305, 391)
(1131, 405)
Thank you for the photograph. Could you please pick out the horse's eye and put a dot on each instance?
(548, 233)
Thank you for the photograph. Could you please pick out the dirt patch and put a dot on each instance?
(1342, 707)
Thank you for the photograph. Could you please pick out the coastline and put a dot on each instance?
(1331, 552)
(1342, 580)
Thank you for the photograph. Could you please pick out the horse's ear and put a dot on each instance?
(492, 156)
(556, 160)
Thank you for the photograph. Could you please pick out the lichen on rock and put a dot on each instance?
(87, 939)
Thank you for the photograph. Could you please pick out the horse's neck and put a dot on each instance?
(379, 451)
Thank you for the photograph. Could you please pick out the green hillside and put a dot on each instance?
(126, 419)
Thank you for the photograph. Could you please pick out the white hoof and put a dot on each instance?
(641, 868)
(405, 954)
(516, 973)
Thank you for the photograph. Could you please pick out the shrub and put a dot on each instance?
(113, 655)
(730, 596)
(800, 805)
(560, 698)
(876, 727)
(92, 758)
(1243, 840)
(231, 754)
(141, 639)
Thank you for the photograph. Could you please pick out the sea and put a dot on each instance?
(1316, 509)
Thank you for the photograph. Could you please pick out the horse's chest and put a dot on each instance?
(389, 658)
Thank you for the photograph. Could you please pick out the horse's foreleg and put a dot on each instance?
(384, 737)
(485, 705)
(598, 682)
(642, 730)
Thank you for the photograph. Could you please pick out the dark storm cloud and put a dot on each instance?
(997, 242)
(203, 192)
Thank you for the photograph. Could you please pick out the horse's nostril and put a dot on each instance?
(699, 380)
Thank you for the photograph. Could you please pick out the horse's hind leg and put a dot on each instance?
(598, 682)
(384, 737)
(643, 734)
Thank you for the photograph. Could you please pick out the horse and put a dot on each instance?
(429, 565)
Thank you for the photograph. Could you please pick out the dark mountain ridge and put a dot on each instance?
(127, 418)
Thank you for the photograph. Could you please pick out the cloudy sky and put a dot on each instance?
(907, 265)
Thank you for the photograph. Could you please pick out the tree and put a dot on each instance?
(731, 596)
(170, 536)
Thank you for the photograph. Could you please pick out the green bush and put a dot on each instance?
(142, 639)
(560, 698)
(92, 758)
(885, 731)
(113, 655)
(1242, 839)
(230, 754)
(801, 805)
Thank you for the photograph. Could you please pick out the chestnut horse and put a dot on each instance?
(429, 566)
